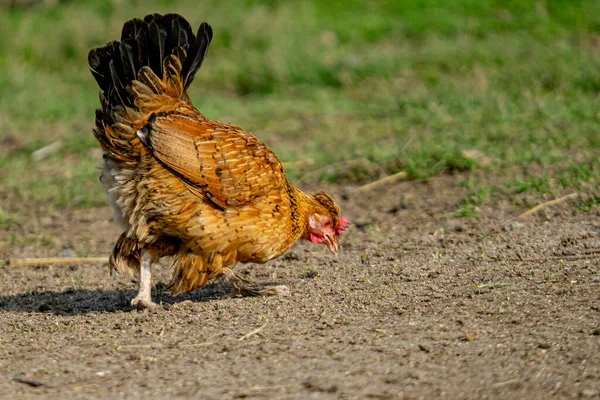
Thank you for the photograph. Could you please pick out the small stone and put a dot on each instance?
(331, 389)
(589, 393)
(455, 225)
(514, 225)
(541, 352)
(469, 337)
(67, 253)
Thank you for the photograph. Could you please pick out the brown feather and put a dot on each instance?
(229, 166)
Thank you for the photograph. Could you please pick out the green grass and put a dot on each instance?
(360, 88)
(468, 207)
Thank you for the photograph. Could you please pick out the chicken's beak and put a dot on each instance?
(332, 243)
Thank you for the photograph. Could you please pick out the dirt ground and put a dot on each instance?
(416, 305)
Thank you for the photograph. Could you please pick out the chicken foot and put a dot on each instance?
(244, 287)
(143, 299)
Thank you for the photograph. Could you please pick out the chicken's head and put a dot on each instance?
(325, 223)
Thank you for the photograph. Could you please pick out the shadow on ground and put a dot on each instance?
(75, 302)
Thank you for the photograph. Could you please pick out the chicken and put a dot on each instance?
(203, 192)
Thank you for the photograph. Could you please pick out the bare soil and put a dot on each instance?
(418, 304)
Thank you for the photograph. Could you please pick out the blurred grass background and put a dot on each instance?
(502, 93)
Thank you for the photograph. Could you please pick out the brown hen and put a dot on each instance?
(206, 193)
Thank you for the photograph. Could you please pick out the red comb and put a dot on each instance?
(343, 224)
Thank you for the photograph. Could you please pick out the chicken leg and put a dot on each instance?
(144, 297)
(243, 287)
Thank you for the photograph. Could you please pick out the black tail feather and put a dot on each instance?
(147, 43)
(196, 54)
(156, 49)
(179, 33)
(98, 59)
(129, 56)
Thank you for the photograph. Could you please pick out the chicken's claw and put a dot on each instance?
(145, 304)
(279, 290)
(244, 287)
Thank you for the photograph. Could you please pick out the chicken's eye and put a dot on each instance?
(328, 223)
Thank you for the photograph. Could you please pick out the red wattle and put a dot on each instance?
(314, 238)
